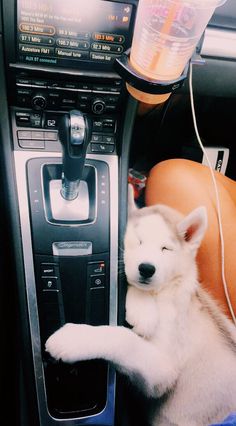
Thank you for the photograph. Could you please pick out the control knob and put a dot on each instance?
(39, 101)
(98, 106)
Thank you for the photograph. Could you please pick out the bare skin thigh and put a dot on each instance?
(184, 185)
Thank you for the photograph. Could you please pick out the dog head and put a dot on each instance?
(161, 244)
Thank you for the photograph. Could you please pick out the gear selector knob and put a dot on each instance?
(74, 133)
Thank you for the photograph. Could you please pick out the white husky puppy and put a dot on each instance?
(181, 345)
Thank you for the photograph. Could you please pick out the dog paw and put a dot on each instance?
(69, 343)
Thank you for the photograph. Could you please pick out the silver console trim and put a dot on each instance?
(76, 209)
(104, 418)
(72, 248)
(78, 221)
(219, 43)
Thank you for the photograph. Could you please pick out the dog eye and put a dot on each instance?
(166, 248)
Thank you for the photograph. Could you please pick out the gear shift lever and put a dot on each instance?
(74, 134)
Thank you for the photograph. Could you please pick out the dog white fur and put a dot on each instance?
(181, 345)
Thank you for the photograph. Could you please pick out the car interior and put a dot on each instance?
(71, 138)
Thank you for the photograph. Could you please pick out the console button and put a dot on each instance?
(49, 283)
(70, 85)
(102, 148)
(111, 108)
(84, 97)
(94, 268)
(23, 81)
(97, 306)
(114, 89)
(24, 92)
(96, 138)
(102, 57)
(31, 144)
(37, 135)
(55, 84)
(97, 125)
(108, 139)
(36, 120)
(97, 281)
(53, 99)
(22, 118)
(109, 124)
(50, 136)
(99, 88)
(84, 106)
(24, 134)
(85, 86)
(112, 99)
(23, 100)
(68, 101)
(40, 83)
(48, 269)
(118, 83)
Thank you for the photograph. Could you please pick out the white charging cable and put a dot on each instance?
(218, 206)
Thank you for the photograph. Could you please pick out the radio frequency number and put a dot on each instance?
(111, 38)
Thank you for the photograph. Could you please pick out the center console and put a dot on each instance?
(60, 58)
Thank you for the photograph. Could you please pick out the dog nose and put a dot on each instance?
(146, 270)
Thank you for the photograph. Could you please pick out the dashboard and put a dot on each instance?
(57, 57)
(73, 33)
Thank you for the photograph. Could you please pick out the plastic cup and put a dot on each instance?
(165, 35)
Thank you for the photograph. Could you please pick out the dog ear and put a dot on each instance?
(131, 203)
(192, 228)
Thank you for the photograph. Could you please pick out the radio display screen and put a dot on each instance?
(71, 33)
